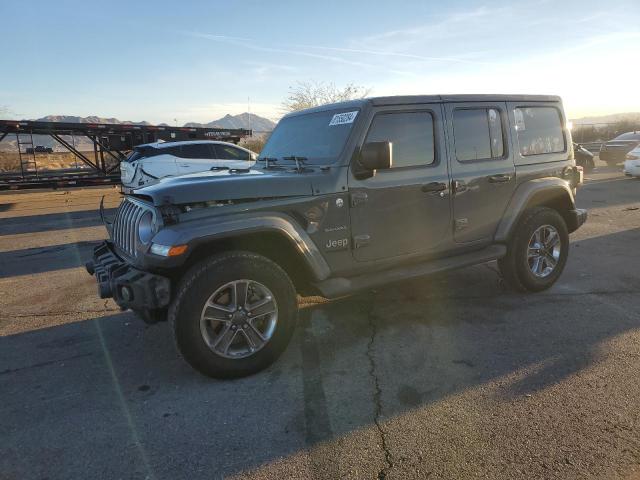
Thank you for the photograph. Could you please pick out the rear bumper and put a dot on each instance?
(128, 286)
(576, 219)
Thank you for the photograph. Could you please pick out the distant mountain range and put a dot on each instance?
(90, 119)
(258, 124)
(613, 118)
(243, 120)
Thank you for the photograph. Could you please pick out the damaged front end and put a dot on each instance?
(128, 286)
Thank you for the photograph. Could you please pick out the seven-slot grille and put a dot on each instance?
(124, 230)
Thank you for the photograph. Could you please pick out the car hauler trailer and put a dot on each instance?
(110, 143)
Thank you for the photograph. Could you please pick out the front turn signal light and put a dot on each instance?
(167, 250)
(177, 250)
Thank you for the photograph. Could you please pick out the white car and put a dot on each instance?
(632, 163)
(150, 162)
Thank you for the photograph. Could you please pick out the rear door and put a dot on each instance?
(482, 168)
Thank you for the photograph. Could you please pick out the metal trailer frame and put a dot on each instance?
(112, 140)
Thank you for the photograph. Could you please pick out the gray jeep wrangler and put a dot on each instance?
(343, 198)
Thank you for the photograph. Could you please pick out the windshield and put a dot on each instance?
(316, 137)
(141, 152)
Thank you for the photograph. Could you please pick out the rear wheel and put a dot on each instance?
(234, 314)
(537, 251)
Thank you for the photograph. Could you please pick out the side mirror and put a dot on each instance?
(376, 156)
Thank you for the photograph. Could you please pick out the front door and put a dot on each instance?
(197, 157)
(403, 210)
(482, 168)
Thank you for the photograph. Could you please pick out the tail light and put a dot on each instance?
(574, 175)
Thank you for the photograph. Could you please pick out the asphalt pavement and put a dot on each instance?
(449, 377)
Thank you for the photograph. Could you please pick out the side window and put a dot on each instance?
(539, 130)
(175, 151)
(226, 152)
(196, 150)
(478, 134)
(411, 136)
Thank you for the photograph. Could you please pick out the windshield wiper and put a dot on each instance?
(266, 161)
(299, 161)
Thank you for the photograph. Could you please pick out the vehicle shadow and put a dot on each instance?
(35, 260)
(52, 221)
(597, 194)
(115, 388)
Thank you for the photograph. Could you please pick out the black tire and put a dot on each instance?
(515, 268)
(200, 283)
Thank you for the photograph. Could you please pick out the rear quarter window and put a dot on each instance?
(539, 130)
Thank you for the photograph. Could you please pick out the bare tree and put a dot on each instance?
(256, 142)
(311, 94)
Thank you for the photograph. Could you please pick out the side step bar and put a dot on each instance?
(340, 286)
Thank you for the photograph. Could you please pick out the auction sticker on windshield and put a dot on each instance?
(343, 118)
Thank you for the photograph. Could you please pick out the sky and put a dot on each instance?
(183, 61)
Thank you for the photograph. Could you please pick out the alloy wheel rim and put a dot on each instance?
(239, 319)
(543, 252)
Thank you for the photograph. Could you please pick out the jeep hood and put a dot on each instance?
(231, 185)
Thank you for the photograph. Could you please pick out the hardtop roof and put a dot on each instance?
(413, 99)
(186, 142)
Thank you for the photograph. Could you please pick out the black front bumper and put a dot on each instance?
(576, 219)
(128, 286)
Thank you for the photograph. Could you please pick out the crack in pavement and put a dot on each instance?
(64, 312)
(45, 364)
(574, 293)
(377, 394)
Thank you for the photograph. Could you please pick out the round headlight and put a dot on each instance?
(145, 228)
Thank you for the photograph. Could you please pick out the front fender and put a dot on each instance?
(194, 233)
(539, 191)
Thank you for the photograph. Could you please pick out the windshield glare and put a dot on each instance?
(318, 137)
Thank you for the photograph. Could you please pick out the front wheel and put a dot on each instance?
(234, 314)
(537, 251)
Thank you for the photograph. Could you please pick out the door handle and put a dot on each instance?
(458, 186)
(500, 178)
(433, 187)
